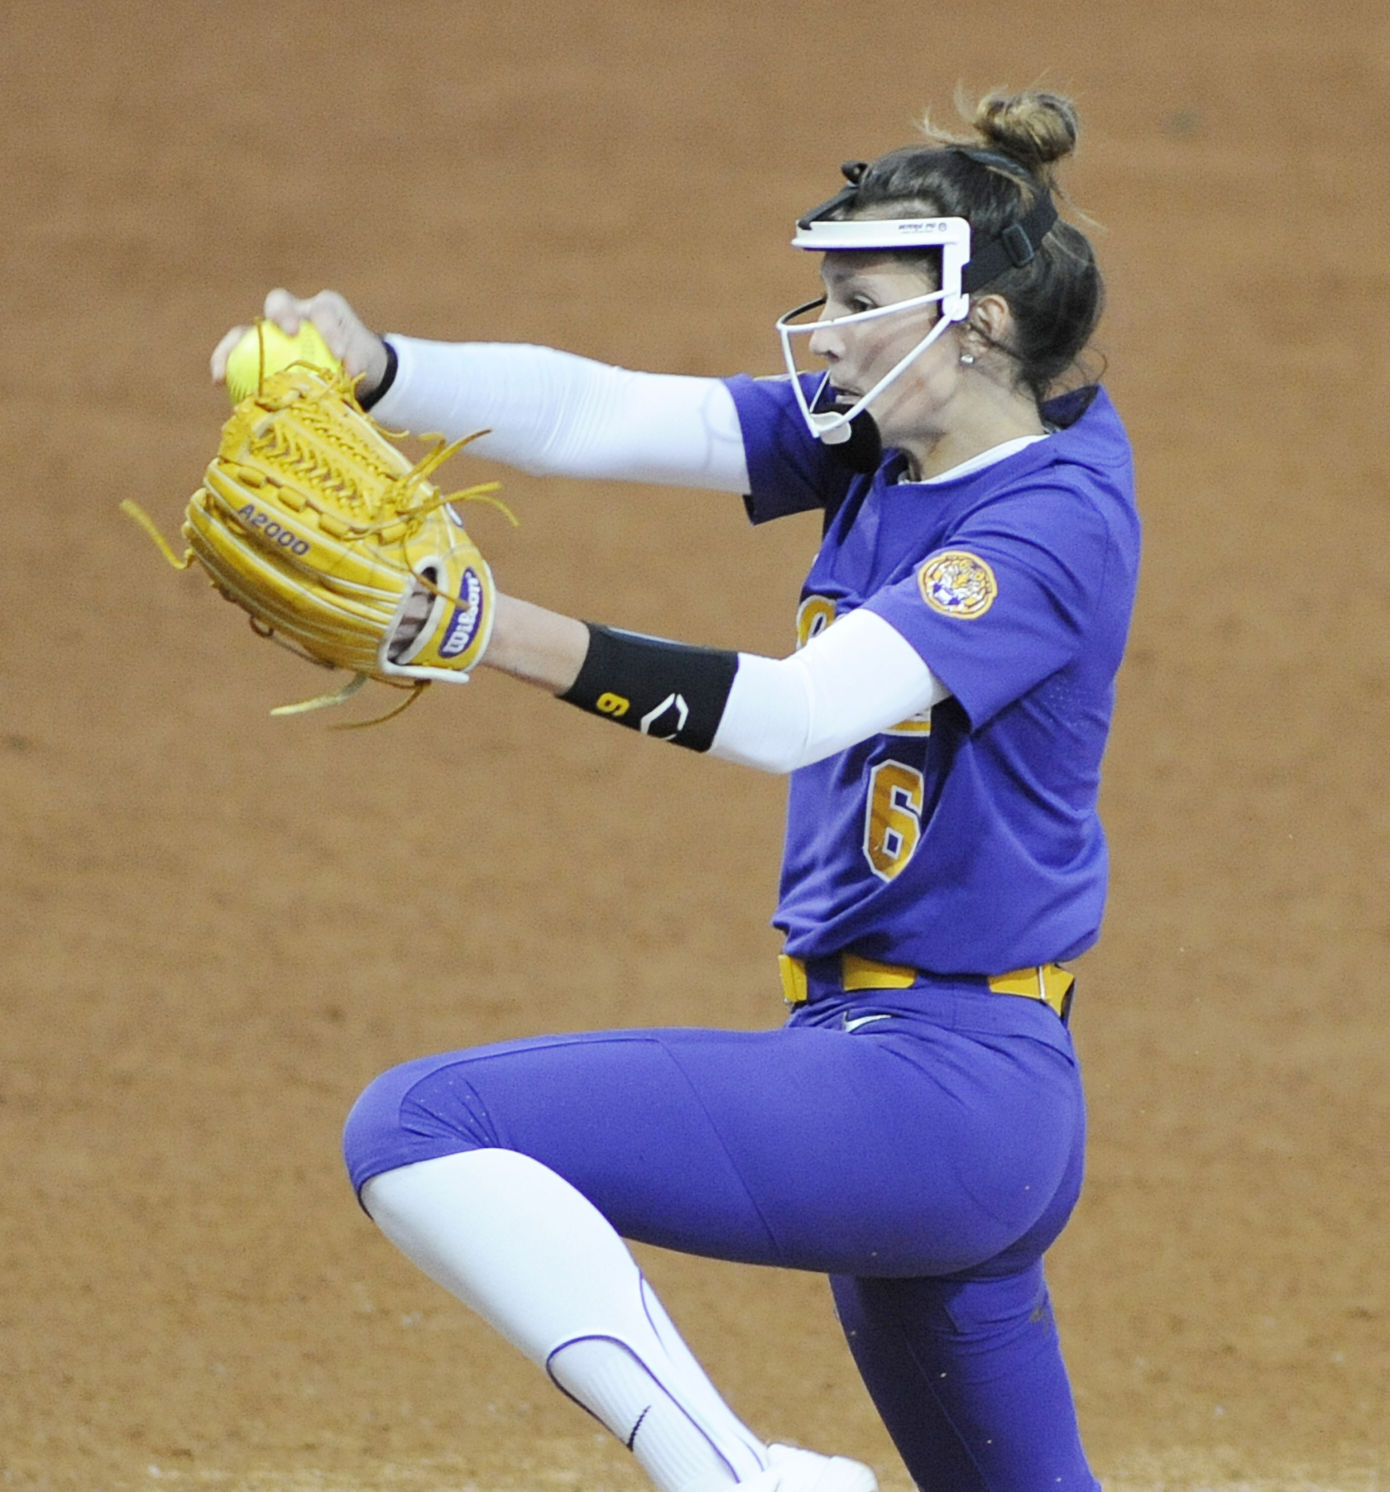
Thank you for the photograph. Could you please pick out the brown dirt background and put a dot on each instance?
(218, 926)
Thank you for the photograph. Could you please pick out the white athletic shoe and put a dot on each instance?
(791, 1469)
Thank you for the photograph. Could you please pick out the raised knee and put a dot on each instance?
(417, 1111)
(372, 1127)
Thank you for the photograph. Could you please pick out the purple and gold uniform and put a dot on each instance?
(915, 1133)
(967, 842)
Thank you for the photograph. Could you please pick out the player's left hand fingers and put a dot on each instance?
(346, 335)
(218, 362)
(286, 310)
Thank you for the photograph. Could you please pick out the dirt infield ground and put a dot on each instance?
(218, 926)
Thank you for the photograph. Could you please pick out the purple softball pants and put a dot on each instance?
(924, 1161)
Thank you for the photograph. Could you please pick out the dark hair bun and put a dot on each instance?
(1034, 129)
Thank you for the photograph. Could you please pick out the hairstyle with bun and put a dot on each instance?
(991, 179)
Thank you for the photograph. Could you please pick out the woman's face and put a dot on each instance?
(857, 356)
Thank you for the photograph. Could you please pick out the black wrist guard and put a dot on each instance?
(667, 690)
(365, 401)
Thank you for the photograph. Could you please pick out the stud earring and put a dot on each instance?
(967, 358)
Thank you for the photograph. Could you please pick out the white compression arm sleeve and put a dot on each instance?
(554, 414)
(854, 679)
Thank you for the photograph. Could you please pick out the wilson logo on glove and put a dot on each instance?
(463, 625)
(338, 546)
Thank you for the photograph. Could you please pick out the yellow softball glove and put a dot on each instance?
(315, 522)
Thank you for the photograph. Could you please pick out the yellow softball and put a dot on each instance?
(265, 349)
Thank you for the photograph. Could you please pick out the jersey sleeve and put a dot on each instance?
(789, 470)
(1007, 598)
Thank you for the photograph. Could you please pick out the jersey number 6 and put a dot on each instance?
(893, 820)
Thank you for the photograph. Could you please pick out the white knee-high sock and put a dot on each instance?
(542, 1266)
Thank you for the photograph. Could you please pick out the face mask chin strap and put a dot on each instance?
(858, 445)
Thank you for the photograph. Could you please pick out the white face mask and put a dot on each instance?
(833, 425)
(950, 235)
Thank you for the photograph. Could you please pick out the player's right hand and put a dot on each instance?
(349, 339)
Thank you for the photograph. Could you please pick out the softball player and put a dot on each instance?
(915, 1129)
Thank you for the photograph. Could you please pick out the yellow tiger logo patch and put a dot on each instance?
(957, 583)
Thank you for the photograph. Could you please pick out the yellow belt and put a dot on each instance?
(1050, 983)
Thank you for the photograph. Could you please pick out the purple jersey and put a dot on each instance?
(966, 841)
